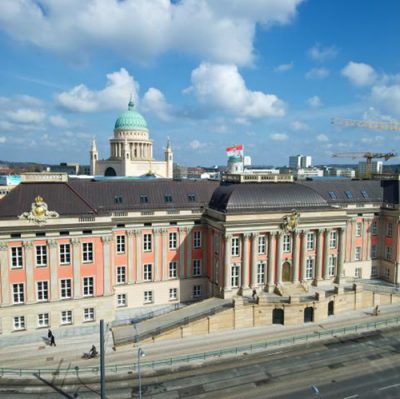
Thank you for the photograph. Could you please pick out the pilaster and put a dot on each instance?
(130, 235)
(326, 253)
(165, 244)
(278, 278)
(227, 263)
(245, 264)
(28, 261)
(5, 290)
(295, 259)
(52, 244)
(303, 254)
(157, 268)
(340, 256)
(139, 267)
(271, 262)
(76, 262)
(254, 248)
(318, 260)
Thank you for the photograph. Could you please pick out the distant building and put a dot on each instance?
(300, 161)
(304, 173)
(376, 168)
(7, 183)
(349, 173)
(131, 150)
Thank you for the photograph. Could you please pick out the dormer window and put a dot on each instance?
(168, 198)
(144, 199)
(349, 194)
(118, 199)
(332, 195)
(191, 197)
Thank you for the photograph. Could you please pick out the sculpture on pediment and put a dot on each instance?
(39, 212)
(291, 221)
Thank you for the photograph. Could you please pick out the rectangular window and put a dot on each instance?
(172, 270)
(349, 194)
(260, 273)
(196, 267)
(148, 297)
(16, 257)
(191, 197)
(374, 252)
(333, 239)
(235, 246)
(197, 239)
(173, 294)
(87, 252)
(65, 254)
(357, 272)
(374, 271)
(310, 241)
(309, 268)
(172, 240)
(388, 253)
(332, 195)
(66, 289)
(235, 276)
(88, 314)
(261, 245)
(121, 274)
(286, 243)
(358, 229)
(389, 229)
(18, 293)
(332, 266)
(364, 193)
(43, 320)
(121, 300)
(66, 317)
(88, 286)
(144, 199)
(374, 229)
(387, 273)
(196, 291)
(357, 254)
(41, 255)
(148, 272)
(147, 242)
(120, 244)
(42, 291)
(168, 198)
(19, 323)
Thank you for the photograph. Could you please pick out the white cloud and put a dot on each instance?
(359, 74)
(387, 97)
(58, 121)
(155, 102)
(3, 139)
(221, 31)
(115, 95)
(314, 101)
(323, 138)
(279, 136)
(298, 126)
(320, 53)
(196, 145)
(222, 87)
(284, 67)
(26, 115)
(317, 73)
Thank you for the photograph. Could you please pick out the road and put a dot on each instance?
(352, 367)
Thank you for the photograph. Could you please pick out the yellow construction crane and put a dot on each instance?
(395, 126)
(369, 156)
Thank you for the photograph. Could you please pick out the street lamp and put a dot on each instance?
(140, 354)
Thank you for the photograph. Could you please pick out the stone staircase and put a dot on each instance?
(138, 332)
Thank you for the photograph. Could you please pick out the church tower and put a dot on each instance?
(169, 159)
(94, 155)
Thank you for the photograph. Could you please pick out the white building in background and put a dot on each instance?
(300, 161)
(247, 160)
(303, 173)
(376, 167)
(344, 172)
(131, 150)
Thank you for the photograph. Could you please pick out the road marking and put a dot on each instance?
(351, 397)
(388, 387)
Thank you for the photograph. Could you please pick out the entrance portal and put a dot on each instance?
(278, 316)
(331, 308)
(308, 314)
(286, 272)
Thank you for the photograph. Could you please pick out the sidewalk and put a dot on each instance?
(68, 352)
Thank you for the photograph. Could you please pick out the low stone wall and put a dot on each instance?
(245, 315)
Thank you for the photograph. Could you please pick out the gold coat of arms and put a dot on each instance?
(39, 212)
(291, 221)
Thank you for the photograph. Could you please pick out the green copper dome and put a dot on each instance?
(131, 119)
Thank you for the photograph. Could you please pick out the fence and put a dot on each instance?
(117, 368)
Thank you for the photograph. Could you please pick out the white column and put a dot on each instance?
(245, 262)
(271, 261)
(182, 238)
(254, 251)
(326, 253)
(139, 267)
(227, 262)
(106, 265)
(318, 260)
(278, 278)
(5, 299)
(130, 234)
(76, 263)
(189, 265)
(295, 259)
(340, 256)
(165, 243)
(157, 264)
(30, 284)
(52, 245)
(303, 255)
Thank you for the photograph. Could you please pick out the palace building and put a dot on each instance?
(76, 251)
(131, 150)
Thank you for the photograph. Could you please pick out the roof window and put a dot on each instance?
(364, 194)
(332, 195)
(168, 198)
(349, 194)
(144, 199)
(191, 197)
(118, 199)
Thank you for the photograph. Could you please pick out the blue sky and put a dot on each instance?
(269, 74)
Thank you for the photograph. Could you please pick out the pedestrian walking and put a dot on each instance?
(52, 340)
(376, 312)
(49, 334)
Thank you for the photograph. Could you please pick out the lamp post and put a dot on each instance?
(140, 354)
